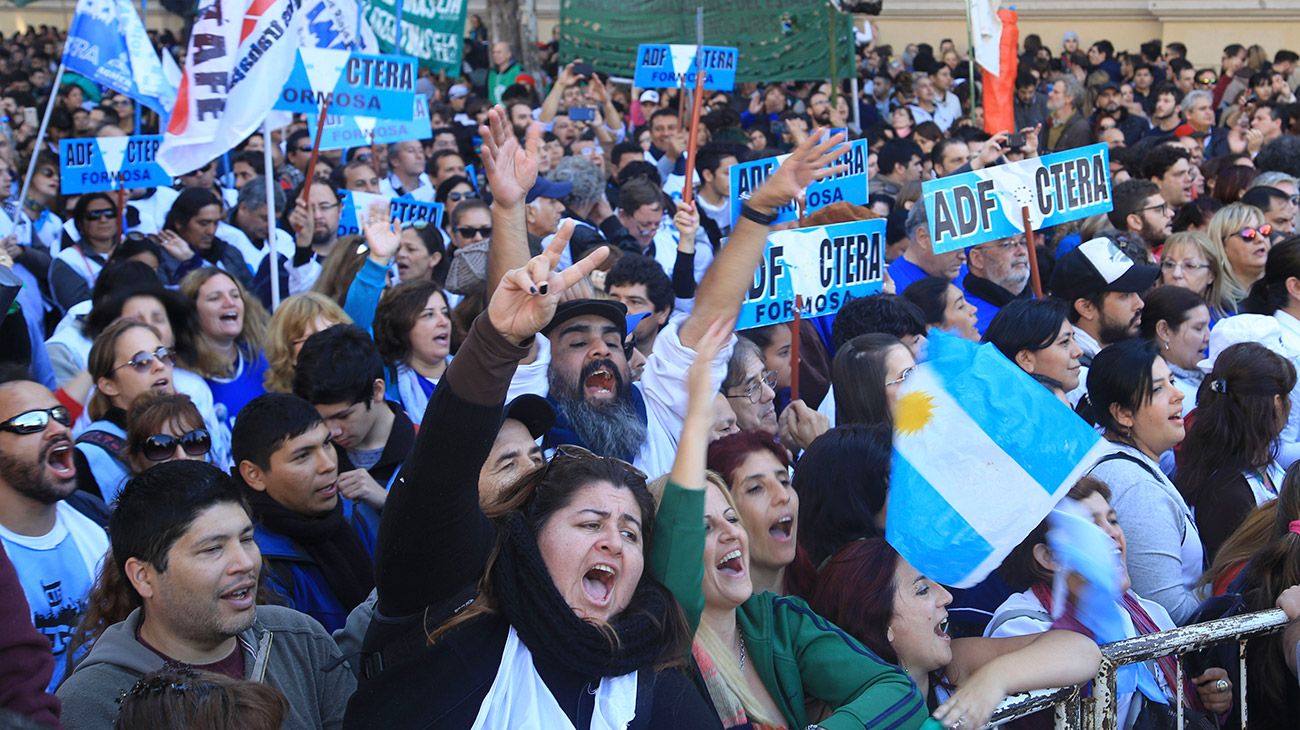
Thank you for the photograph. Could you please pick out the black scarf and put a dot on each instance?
(529, 600)
(329, 541)
(990, 292)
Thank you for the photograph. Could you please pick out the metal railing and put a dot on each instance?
(1098, 712)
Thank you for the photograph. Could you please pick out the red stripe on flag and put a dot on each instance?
(181, 111)
(253, 15)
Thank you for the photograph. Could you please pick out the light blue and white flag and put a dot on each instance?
(982, 452)
(107, 44)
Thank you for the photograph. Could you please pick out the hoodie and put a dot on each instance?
(285, 649)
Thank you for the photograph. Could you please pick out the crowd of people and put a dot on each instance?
(519, 469)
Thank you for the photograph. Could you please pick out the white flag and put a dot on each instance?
(240, 55)
(986, 30)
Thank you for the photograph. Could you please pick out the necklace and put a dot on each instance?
(740, 640)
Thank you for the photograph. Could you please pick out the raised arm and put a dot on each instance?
(511, 172)
(732, 273)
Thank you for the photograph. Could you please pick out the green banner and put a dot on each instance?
(432, 30)
(779, 40)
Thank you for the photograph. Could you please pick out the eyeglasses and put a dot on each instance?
(100, 214)
(457, 197)
(1168, 265)
(1249, 233)
(754, 393)
(907, 373)
(35, 421)
(1007, 245)
(474, 231)
(362, 157)
(142, 362)
(577, 453)
(1161, 207)
(323, 208)
(306, 149)
(122, 103)
(162, 446)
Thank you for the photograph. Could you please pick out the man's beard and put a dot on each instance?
(1152, 235)
(1015, 280)
(612, 428)
(29, 479)
(1111, 332)
(320, 237)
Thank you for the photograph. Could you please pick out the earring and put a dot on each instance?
(1166, 344)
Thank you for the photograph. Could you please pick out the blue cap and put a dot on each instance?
(544, 188)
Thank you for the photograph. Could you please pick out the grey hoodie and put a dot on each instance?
(285, 649)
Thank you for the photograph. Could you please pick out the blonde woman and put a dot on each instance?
(298, 317)
(1191, 260)
(228, 344)
(1241, 233)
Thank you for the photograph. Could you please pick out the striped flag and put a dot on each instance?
(982, 452)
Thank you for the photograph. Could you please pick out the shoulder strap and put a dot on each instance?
(1126, 457)
(645, 695)
(1034, 613)
(112, 443)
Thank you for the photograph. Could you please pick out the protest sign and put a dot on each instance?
(827, 266)
(987, 205)
(432, 30)
(110, 163)
(357, 84)
(335, 24)
(107, 44)
(343, 131)
(673, 65)
(850, 186)
(356, 208)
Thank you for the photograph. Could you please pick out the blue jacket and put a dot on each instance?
(291, 573)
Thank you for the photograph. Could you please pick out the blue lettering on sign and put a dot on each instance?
(359, 84)
(673, 65)
(828, 266)
(405, 209)
(110, 163)
(848, 186)
(344, 131)
(988, 205)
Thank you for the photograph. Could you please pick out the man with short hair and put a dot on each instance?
(340, 372)
(318, 549)
(1029, 104)
(1276, 206)
(919, 260)
(1169, 167)
(359, 176)
(999, 274)
(521, 117)
(544, 210)
(1143, 82)
(1069, 129)
(1108, 103)
(641, 211)
(1184, 75)
(407, 176)
(297, 150)
(443, 165)
(713, 163)
(641, 285)
(948, 156)
(1270, 121)
(945, 98)
(1165, 113)
(1103, 289)
(185, 554)
(245, 166)
(504, 73)
(1141, 210)
(316, 226)
(899, 162)
(55, 549)
(515, 452)
(1198, 110)
(668, 151)
(249, 220)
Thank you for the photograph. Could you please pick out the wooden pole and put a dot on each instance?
(794, 347)
(688, 190)
(268, 171)
(315, 153)
(121, 211)
(1035, 279)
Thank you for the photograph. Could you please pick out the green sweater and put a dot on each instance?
(798, 654)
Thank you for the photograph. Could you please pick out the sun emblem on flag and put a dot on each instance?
(913, 412)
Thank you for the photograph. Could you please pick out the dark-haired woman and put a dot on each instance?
(1036, 334)
(189, 239)
(1228, 461)
(564, 628)
(1178, 321)
(413, 334)
(77, 266)
(944, 305)
(842, 482)
(865, 376)
(162, 428)
(1132, 397)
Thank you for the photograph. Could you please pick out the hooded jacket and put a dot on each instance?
(284, 649)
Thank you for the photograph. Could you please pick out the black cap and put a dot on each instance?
(606, 308)
(534, 411)
(1099, 266)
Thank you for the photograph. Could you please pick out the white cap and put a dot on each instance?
(650, 95)
(1256, 328)
(457, 91)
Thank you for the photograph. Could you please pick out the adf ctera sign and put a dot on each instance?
(661, 66)
(357, 84)
(110, 163)
(987, 205)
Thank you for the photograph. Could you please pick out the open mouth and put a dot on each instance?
(732, 563)
(329, 490)
(161, 384)
(941, 628)
(230, 316)
(598, 583)
(600, 382)
(782, 528)
(59, 459)
(241, 596)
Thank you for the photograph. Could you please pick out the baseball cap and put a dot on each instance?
(457, 91)
(650, 95)
(606, 308)
(1246, 328)
(1108, 86)
(533, 411)
(1099, 266)
(545, 188)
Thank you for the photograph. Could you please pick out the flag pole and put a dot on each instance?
(693, 140)
(1035, 278)
(794, 347)
(139, 115)
(268, 171)
(397, 37)
(40, 138)
(970, 43)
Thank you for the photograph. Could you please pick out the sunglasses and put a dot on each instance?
(1249, 233)
(457, 197)
(101, 214)
(142, 362)
(474, 231)
(1207, 80)
(29, 422)
(161, 446)
(577, 453)
(304, 149)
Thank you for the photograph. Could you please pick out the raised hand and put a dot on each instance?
(687, 222)
(700, 386)
(383, 235)
(526, 298)
(175, 246)
(810, 161)
(304, 225)
(511, 169)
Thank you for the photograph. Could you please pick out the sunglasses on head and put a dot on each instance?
(161, 446)
(472, 231)
(1249, 233)
(101, 214)
(142, 362)
(35, 421)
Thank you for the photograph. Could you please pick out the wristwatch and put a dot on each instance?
(763, 219)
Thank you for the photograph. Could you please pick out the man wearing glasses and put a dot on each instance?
(1141, 211)
(999, 274)
(316, 226)
(54, 548)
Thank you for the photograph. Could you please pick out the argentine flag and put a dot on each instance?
(982, 452)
